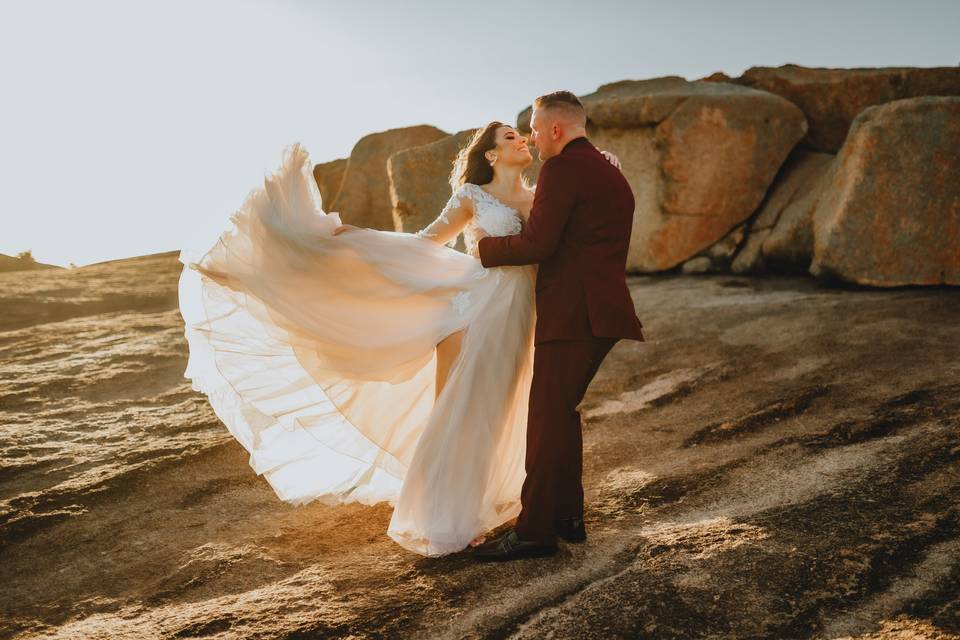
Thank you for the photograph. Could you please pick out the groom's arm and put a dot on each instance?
(552, 204)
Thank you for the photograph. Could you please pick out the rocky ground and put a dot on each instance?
(779, 460)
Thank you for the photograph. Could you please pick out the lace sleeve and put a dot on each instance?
(454, 216)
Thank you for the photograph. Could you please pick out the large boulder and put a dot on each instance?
(788, 247)
(891, 212)
(832, 98)
(420, 180)
(329, 177)
(364, 196)
(699, 157)
(631, 103)
(781, 234)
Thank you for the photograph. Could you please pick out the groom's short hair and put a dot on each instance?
(563, 102)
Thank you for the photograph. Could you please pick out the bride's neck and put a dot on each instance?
(507, 180)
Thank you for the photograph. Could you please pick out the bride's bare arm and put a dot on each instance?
(445, 228)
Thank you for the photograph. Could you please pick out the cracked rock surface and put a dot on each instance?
(779, 460)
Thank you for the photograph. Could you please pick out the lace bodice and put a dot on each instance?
(489, 213)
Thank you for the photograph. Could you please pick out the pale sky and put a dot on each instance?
(129, 126)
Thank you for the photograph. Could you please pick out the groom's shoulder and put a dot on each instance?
(561, 172)
(561, 161)
(579, 160)
(561, 165)
(580, 153)
(572, 158)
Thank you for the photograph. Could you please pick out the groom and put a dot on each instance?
(578, 232)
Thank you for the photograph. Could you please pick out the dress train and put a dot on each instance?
(318, 354)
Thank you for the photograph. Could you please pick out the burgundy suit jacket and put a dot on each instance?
(579, 233)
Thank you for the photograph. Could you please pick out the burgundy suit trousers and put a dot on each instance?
(552, 489)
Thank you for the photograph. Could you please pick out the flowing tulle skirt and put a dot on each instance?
(318, 354)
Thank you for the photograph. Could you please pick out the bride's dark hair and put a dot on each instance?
(471, 165)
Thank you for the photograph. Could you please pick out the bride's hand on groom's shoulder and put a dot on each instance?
(612, 159)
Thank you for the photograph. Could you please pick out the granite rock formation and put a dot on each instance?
(781, 234)
(727, 174)
(832, 98)
(420, 180)
(22, 263)
(891, 212)
(364, 196)
(329, 177)
(698, 155)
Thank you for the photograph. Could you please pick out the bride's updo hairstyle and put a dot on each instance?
(471, 165)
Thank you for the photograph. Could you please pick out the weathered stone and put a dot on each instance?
(832, 98)
(717, 76)
(23, 263)
(789, 245)
(364, 197)
(716, 257)
(724, 248)
(750, 259)
(786, 489)
(420, 180)
(891, 212)
(699, 157)
(697, 264)
(631, 103)
(782, 232)
(329, 177)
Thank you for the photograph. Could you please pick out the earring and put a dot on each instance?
(494, 161)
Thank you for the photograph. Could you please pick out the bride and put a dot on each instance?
(374, 366)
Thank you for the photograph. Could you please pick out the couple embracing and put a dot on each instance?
(358, 365)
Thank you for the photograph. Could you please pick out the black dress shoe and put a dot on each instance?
(571, 529)
(509, 546)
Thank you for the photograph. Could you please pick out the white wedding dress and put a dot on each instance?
(318, 354)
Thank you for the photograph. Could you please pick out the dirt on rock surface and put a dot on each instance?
(779, 460)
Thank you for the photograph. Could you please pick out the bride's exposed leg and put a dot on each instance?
(447, 351)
